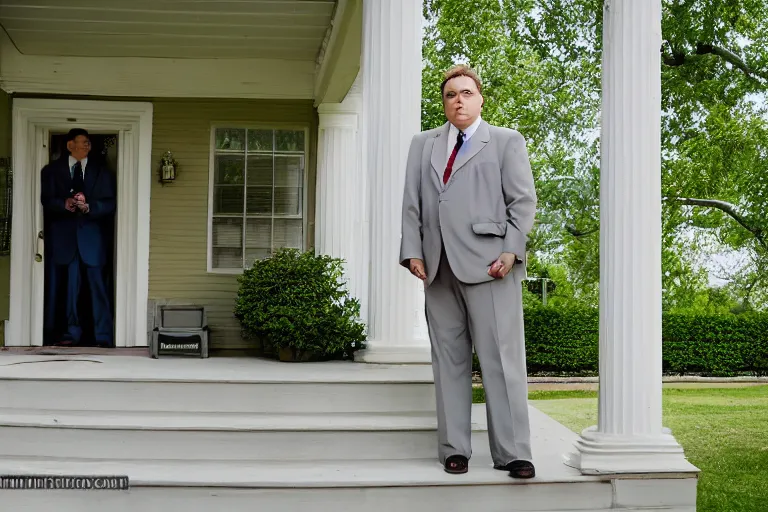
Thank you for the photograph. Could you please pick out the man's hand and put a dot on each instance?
(417, 268)
(81, 204)
(70, 204)
(502, 266)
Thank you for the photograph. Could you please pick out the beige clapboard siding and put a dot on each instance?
(179, 212)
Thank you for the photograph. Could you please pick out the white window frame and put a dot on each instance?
(211, 182)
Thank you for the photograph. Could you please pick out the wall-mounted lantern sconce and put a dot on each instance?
(168, 168)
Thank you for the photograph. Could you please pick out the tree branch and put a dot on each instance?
(675, 58)
(729, 56)
(579, 233)
(562, 83)
(728, 208)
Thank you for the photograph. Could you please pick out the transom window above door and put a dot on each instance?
(257, 188)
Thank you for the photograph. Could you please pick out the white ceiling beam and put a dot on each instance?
(180, 52)
(340, 62)
(237, 77)
(267, 30)
(65, 16)
(226, 29)
(23, 38)
(211, 7)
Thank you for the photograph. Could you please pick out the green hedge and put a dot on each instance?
(561, 340)
(718, 345)
(565, 341)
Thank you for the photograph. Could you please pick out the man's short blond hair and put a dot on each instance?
(461, 70)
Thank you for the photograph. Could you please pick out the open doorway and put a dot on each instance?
(33, 121)
(104, 154)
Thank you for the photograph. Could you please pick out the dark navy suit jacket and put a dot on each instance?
(68, 231)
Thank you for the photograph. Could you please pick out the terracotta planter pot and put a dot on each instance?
(292, 355)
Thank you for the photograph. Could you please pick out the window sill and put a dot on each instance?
(226, 271)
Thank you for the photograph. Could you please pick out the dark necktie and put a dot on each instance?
(456, 148)
(77, 178)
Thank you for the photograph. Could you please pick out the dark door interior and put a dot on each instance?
(104, 149)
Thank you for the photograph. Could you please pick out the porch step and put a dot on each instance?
(319, 486)
(243, 434)
(215, 385)
(121, 435)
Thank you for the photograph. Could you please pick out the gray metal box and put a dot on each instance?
(180, 330)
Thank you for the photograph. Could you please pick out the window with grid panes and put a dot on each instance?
(257, 195)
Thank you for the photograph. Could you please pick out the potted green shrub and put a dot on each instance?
(296, 304)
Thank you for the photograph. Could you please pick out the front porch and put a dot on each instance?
(233, 434)
(240, 434)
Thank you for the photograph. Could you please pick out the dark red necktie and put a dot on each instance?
(449, 167)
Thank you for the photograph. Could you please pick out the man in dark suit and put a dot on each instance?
(76, 195)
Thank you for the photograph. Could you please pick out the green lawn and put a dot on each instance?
(724, 433)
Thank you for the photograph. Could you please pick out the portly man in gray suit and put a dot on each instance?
(468, 206)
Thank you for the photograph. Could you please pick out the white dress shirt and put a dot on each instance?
(453, 134)
(73, 161)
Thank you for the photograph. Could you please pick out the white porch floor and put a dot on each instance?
(193, 369)
(246, 434)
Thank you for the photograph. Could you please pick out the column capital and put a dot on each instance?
(334, 115)
(344, 114)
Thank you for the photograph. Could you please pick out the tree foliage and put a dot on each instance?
(540, 64)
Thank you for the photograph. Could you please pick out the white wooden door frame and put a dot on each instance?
(32, 119)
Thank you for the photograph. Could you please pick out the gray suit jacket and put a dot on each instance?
(486, 208)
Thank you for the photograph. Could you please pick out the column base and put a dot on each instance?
(386, 353)
(600, 454)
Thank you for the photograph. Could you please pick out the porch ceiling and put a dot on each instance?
(274, 29)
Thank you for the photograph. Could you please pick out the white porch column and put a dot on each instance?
(341, 214)
(629, 437)
(391, 68)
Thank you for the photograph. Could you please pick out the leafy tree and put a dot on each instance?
(540, 62)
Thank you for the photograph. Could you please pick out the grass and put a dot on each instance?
(724, 433)
(478, 395)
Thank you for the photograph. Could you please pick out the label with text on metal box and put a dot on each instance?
(181, 346)
(57, 482)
